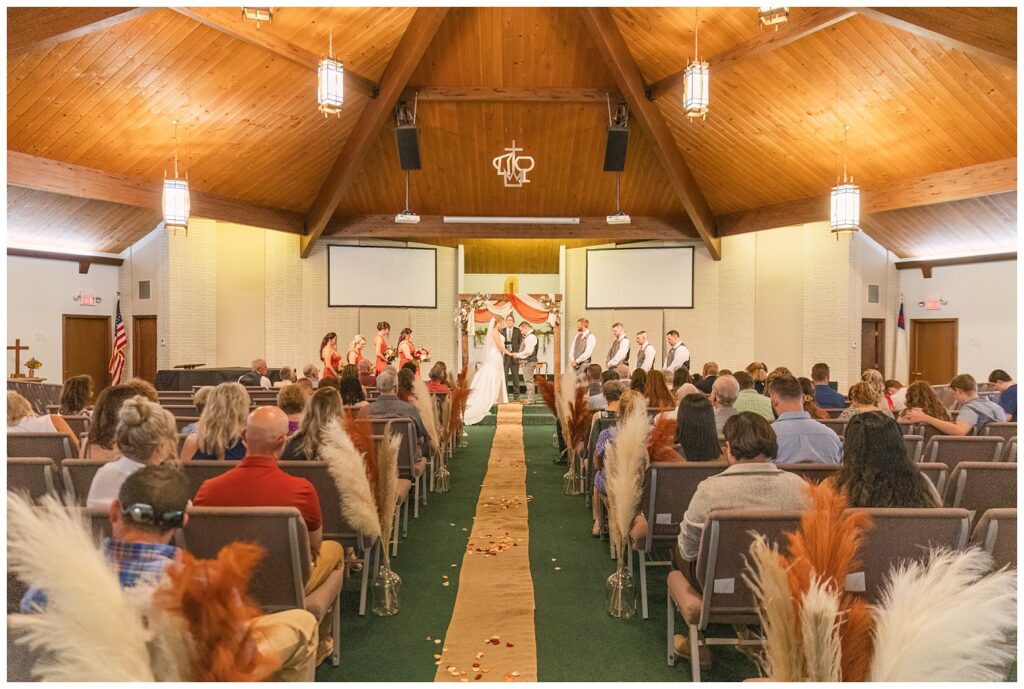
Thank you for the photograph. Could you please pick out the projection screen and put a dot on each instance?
(643, 278)
(381, 276)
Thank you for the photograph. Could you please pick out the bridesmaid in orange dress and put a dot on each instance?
(407, 350)
(355, 350)
(329, 355)
(380, 346)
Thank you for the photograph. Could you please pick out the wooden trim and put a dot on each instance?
(511, 94)
(811, 21)
(64, 344)
(952, 185)
(135, 343)
(913, 355)
(33, 172)
(30, 28)
(613, 49)
(84, 261)
(961, 28)
(927, 264)
(433, 226)
(417, 37)
(231, 24)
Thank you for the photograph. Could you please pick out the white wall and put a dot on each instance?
(494, 283)
(145, 260)
(983, 296)
(39, 293)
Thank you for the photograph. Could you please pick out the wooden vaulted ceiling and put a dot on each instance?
(929, 94)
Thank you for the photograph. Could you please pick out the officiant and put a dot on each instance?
(513, 339)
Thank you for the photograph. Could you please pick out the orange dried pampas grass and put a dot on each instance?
(360, 430)
(579, 420)
(458, 396)
(661, 442)
(546, 388)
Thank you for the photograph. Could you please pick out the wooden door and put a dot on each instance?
(933, 349)
(144, 348)
(872, 344)
(87, 348)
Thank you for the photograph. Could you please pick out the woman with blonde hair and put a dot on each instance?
(878, 383)
(325, 406)
(758, 370)
(146, 434)
(864, 397)
(21, 418)
(355, 350)
(292, 401)
(220, 426)
(656, 391)
(810, 404)
(199, 400)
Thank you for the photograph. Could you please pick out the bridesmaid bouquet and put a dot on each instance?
(390, 354)
(422, 356)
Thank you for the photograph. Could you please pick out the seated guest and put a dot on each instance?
(758, 370)
(75, 395)
(599, 402)
(875, 379)
(921, 395)
(257, 377)
(220, 426)
(973, 415)
(863, 398)
(1002, 382)
(724, 393)
(199, 399)
(258, 481)
(21, 418)
(638, 381)
(657, 393)
(349, 371)
(325, 406)
(810, 406)
(436, 383)
(144, 388)
(388, 403)
(625, 403)
(366, 377)
(292, 402)
(749, 399)
(897, 394)
(695, 429)
(146, 434)
(678, 394)
(306, 387)
(352, 394)
(100, 443)
(623, 371)
(311, 372)
(405, 381)
(824, 395)
(594, 380)
(876, 469)
(287, 376)
(750, 482)
(708, 376)
(410, 367)
(680, 377)
(329, 382)
(801, 438)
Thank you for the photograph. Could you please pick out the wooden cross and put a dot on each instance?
(17, 347)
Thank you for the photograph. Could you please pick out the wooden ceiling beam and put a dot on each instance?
(927, 264)
(84, 261)
(620, 62)
(37, 27)
(969, 29)
(33, 172)
(434, 227)
(511, 94)
(969, 182)
(230, 23)
(417, 37)
(809, 22)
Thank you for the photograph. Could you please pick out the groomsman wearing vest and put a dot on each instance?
(527, 357)
(646, 355)
(618, 353)
(582, 347)
(678, 355)
(513, 339)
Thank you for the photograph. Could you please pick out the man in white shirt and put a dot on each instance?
(677, 354)
(527, 356)
(618, 353)
(646, 355)
(582, 347)
(257, 376)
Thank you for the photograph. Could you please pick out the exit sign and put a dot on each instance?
(87, 299)
(932, 304)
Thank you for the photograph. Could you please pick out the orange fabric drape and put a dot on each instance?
(519, 306)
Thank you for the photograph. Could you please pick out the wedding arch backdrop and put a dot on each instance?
(535, 308)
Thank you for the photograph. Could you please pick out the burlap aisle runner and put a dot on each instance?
(491, 634)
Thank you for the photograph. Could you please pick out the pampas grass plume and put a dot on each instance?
(387, 487)
(346, 466)
(625, 462)
(819, 630)
(428, 412)
(783, 659)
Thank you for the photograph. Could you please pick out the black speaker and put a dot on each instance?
(408, 146)
(615, 152)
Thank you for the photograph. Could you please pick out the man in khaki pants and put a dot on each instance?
(527, 356)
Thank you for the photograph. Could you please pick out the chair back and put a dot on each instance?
(34, 476)
(280, 579)
(914, 445)
(601, 421)
(372, 392)
(899, 534)
(936, 472)
(952, 449)
(1005, 430)
(183, 421)
(722, 557)
(1010, 453)
(79, 424)
(909, 428)
(77, 475)
(833, 413)
(671, 486)
(202, 469)
(814, 472)
(181, 410)
(837, 425)
(981, 486)
(99, 522)
(996, 532)
(336, 528)
(408, 452)
(56, 446)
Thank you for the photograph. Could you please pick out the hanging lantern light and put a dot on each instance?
(258, 14)
(695, 82)
(330, 82)
(770, 15)
(845, 216)
(175, 196)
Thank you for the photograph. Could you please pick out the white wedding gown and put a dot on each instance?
(488, 385)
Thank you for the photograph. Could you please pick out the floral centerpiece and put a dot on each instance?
(467, 310)
(33, 365)
(551, 306)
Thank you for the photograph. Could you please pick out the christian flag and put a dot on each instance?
(116, 365)
(902, 368)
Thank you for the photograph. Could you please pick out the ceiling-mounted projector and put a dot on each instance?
(618, 219)
(407, 218)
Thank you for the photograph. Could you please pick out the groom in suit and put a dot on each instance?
(513, 339)
(527, 356)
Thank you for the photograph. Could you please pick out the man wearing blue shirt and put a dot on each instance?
(1002, 382)
(825, 396)
(801, 438)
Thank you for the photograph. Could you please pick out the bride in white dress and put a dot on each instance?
(488, 386)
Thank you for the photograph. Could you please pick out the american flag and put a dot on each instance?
(116, 365)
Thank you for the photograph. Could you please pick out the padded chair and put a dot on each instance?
(34, 476)
(981, 486)
(202, 469)
(1010, 453)
(598, 422)
(835, 424)
(833, 413)
(721, 563)
(77, 475)
(372, 393)
(814, 472)
(280, 579)
(914, 445)
(936, 472)
(79, 424)
(910, 428)
(410, 465)
(182, 411)
(669, 488)
(996, 533)
(953, 449)
(900, 534)
(56, 446)
(1004, 430)
(20, 658)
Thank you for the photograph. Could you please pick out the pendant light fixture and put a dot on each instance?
(258, 14)
(845, 197)
(772, 16)
(695, 81)
(330, 82)
(175, 196)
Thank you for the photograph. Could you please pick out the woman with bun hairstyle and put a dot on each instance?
(380, 347)
(329, 355)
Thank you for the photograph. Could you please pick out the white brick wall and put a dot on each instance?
(191, 314)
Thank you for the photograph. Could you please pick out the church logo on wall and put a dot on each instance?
(513, 168)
